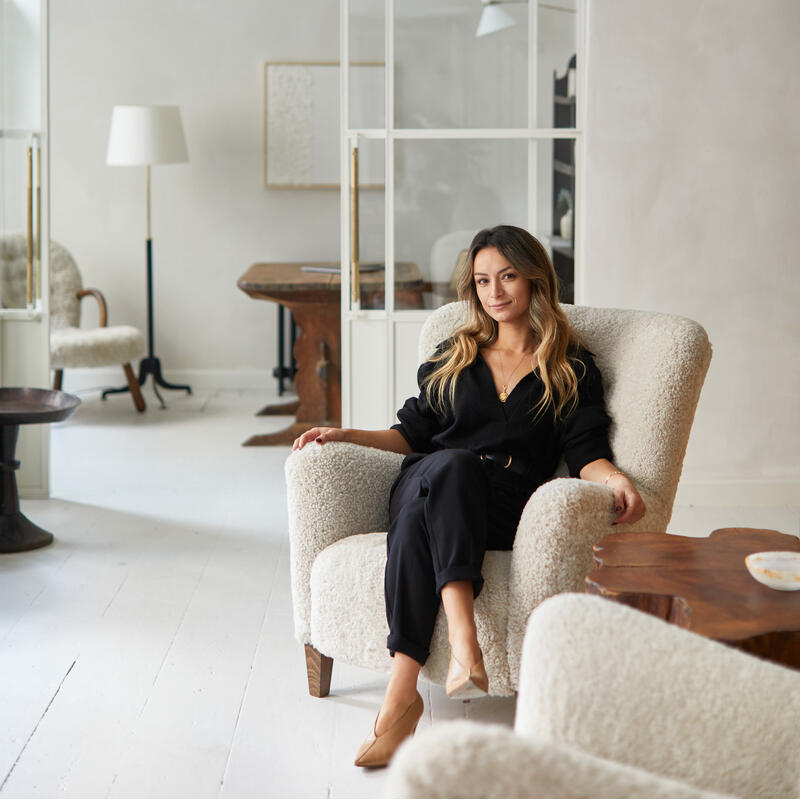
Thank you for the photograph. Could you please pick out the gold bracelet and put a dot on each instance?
(611, 475)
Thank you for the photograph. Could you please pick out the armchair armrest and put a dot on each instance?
(626, 686)
(465, 759)
(553, 547)
(334, 490)
(101, 301)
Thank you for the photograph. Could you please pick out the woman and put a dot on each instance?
(501, 402)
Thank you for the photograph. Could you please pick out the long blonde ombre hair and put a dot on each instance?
(557, 341)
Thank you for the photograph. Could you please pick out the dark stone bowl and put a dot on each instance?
(20, 406)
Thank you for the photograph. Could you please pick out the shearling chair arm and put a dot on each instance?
(334, 490)
(553, 547)
(464, 759)
(101, 301)
(626, 686)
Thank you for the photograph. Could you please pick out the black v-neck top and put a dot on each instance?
(479, 422)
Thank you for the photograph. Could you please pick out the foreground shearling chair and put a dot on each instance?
(617, 703)
(653, 368)
(71, 345)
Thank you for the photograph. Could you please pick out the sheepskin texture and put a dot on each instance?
(334, 596)
(626, 686)
(65, 280)
(96, 347)
(70, 345)
(333, 490)
(653, 368)
(465, 759)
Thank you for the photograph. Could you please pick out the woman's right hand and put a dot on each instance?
(319, 435)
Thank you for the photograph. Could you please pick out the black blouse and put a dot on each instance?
(479, 422)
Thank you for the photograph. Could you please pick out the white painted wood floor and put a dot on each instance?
(149, 652)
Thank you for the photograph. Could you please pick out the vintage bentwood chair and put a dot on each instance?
(71, 345)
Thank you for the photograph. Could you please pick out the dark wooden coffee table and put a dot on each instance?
(702, 584)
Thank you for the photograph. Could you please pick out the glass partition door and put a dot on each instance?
(470, 132)
(24, 241)
(21, 140)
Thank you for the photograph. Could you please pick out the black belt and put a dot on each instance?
(507, 461)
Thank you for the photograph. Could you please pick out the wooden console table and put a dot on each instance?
(315, 300)
(703, 585)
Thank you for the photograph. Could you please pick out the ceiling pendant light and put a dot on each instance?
(493, 19)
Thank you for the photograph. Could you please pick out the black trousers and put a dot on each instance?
(446, 510)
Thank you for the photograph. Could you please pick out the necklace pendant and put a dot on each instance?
(503, 395)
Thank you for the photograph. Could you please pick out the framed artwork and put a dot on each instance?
(301, 123)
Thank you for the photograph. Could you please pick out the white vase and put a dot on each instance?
(566, 225)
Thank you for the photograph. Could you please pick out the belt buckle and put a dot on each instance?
(484, 456)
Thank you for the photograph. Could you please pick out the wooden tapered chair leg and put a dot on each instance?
(319, 669)
(58, 379)
(133, 385)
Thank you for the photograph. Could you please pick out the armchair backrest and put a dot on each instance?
(65, 280)
(653, 368)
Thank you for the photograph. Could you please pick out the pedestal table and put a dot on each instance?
(20, 406)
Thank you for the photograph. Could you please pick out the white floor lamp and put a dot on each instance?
(142, 136)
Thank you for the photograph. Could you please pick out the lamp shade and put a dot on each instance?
(146, 135)
(493, 19)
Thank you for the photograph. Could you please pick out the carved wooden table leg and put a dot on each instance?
(318, 381)
(319, 669)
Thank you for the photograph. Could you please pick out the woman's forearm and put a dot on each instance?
(391, 440)
(598, 471)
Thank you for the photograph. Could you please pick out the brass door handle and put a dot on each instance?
(355, 270)
(39, 219)
(30, 226)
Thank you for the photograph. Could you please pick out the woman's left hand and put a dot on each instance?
(628, 504)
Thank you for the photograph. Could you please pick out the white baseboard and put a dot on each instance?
(738, 492)
(80, 380)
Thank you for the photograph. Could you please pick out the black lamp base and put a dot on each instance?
(151, 366)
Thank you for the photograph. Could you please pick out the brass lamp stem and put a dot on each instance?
(149, 236)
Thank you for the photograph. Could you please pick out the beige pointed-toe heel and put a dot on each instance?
(466, 684)
(377, 751)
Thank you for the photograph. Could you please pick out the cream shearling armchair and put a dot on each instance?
(653, 367)
(71, 345)
(616, 703)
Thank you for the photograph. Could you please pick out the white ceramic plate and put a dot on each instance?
(778, 569)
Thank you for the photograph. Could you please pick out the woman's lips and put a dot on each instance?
(501, 305)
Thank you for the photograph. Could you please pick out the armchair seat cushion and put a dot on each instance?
(98, 347)
(349, 575)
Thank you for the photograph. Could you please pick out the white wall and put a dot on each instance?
(212, 217)
(692, 201)
(692, 208)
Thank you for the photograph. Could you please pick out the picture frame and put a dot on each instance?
(301, 123)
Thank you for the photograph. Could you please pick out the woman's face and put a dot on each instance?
(504, 294)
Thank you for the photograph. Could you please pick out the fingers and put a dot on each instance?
(628, 506)
(318, 435)
(301, 441)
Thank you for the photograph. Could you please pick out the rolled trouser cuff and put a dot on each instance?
(465, 572)
(399, 644)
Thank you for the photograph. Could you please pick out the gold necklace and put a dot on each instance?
(506, 380)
